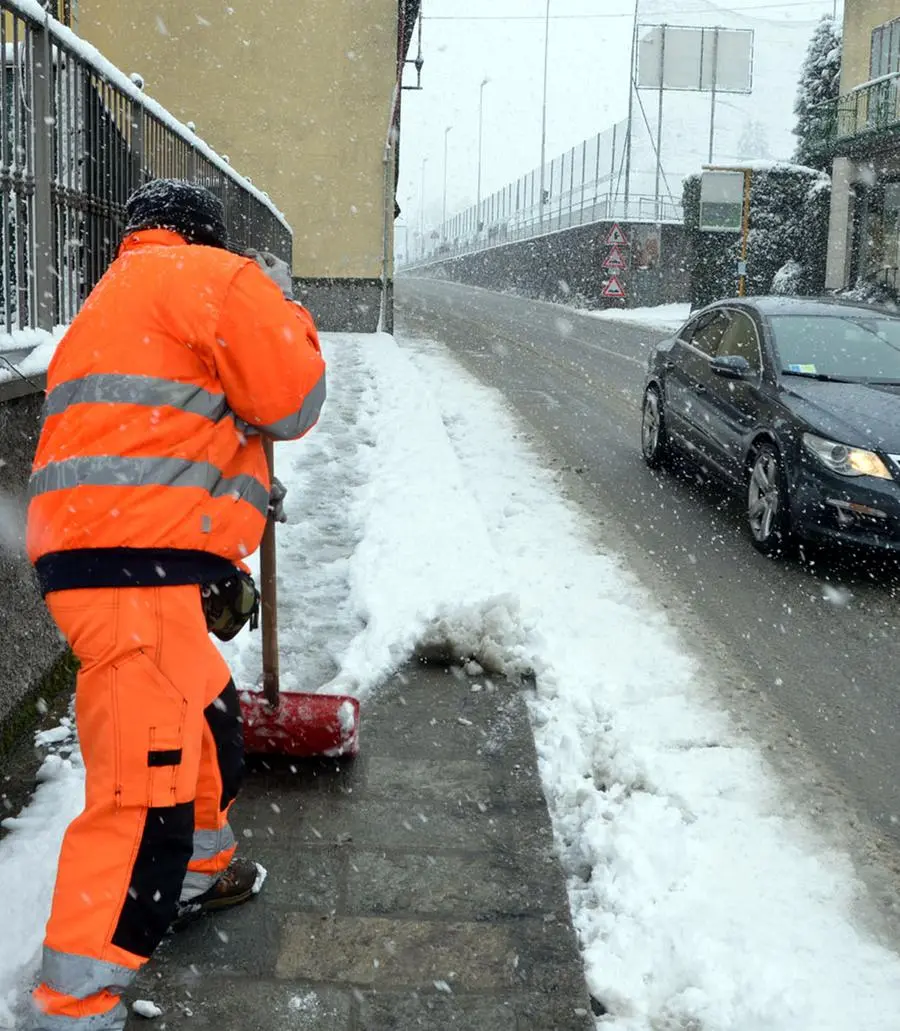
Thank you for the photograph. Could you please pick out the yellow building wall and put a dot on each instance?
(62, 11)
(860, 18)
(297, 93)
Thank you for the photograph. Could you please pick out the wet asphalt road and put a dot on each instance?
(814, 642)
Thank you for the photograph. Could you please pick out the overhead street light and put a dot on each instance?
(544, 111)
(444, 218)
(484, 83)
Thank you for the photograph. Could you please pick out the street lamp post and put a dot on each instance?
(444, 219)
(544, 111)
(484, 83)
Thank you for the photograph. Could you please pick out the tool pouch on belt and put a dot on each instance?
(230, 603)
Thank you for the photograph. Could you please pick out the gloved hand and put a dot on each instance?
(276, 501)
(276, 269)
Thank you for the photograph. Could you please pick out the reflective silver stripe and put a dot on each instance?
(292, 426)
(116, 471)
(208, 844)
(113, 1020)
(148, 391)
(81, 976)
(195, 884)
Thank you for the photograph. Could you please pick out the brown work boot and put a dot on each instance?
(240, 882)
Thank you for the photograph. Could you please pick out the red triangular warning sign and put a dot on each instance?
(614, 288)
(615, 259)
(616, 237)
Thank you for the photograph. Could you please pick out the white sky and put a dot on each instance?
(590, 40)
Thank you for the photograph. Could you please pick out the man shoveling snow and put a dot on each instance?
(150, 486)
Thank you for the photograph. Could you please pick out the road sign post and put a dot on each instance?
(725, 208)
(615, 262)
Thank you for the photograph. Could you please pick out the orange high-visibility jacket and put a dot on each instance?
(150, 468)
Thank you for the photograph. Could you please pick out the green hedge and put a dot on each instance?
(787, 243)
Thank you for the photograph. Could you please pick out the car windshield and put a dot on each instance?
(858, 348)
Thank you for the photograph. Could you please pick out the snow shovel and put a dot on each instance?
(295, 724)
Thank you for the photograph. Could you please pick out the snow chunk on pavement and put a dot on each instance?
(146, 1009)
(53, 736)
(261, 874)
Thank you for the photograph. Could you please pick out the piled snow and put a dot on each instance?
(28, 869)
(667, 317)
(420, 519)
(697, 901)
(787, 278)
(383, 538)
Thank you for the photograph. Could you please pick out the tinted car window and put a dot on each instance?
(687, 331)
(709, 332)
(849, 347)
(740, 340)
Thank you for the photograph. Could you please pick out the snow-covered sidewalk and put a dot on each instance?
(420, 516)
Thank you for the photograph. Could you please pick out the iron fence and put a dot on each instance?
(872, 107)
(859, 116)
(76, 139)
(589, 183)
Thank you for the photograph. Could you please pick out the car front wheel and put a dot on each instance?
(768, 509)
(654, 443)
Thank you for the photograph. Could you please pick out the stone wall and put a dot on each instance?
(567, 266)
(30, 647)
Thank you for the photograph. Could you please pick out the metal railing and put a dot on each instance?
(868, 109)
(77, 137)
(586, 184)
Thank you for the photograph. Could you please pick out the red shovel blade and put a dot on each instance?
(303, 725)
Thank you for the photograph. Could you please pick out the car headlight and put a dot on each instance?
(845, 460)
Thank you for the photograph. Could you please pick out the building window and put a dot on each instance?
(885, 58)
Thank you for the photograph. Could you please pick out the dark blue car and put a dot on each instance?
(794, 401)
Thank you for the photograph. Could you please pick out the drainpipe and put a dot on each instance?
(386, 318)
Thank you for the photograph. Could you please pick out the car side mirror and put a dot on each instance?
(731, 366)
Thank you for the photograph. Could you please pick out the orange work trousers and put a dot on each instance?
(160, 732)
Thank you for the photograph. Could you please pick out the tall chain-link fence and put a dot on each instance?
(77, 137)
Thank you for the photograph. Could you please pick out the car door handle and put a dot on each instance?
(668, 364)
(700, 388)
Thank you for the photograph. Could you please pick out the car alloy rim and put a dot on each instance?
(650, 423)
(764, 497)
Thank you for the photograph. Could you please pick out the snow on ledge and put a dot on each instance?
(43, 344)
(32, 10)
(770, 165)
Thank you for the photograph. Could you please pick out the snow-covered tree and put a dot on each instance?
(820, 81)
(754, 140)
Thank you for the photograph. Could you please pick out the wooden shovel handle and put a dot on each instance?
(268, 570)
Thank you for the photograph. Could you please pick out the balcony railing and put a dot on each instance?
(868, 114)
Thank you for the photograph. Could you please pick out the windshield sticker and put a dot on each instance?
(809, 370)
